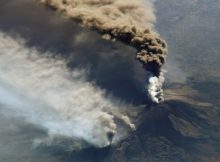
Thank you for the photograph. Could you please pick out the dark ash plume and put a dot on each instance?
(129, 21)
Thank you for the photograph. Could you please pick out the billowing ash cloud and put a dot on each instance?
(129, 21)
(42, 91)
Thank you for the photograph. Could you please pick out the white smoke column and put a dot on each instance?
(41, 90)
(128, 21)
(155, 87)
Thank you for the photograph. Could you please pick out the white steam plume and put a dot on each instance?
(155, 88)
(44, 92)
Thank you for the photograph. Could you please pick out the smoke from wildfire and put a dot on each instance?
(44, 92)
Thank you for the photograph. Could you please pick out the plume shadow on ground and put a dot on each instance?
(110, 64)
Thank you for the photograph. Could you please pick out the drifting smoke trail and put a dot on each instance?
(44, 92)
(129, 21)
